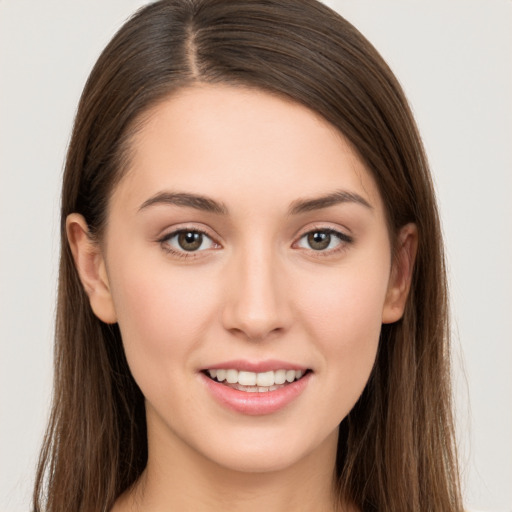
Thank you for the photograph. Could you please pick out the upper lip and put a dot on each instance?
(256, 366)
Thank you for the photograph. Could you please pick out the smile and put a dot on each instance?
(256, 392)
(253, 382)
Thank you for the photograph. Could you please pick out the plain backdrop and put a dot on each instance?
(454, 60)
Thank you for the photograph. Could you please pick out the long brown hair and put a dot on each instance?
(396, 448)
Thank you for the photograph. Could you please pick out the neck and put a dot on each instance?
(179, 478)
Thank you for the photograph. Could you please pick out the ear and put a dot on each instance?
(91, 268)
(401, 274)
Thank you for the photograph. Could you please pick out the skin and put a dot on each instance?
(255, 290)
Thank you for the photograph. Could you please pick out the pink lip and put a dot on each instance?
(255, 404)
(256, 366)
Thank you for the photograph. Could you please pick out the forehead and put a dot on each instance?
(236, 145)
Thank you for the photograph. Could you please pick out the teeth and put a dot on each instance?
(280, 377)
(256, 381)
(247, 378)
(254, 389)
(266, 379)
(290, 375)
(232, 376)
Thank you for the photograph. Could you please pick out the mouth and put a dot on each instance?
(253, 382)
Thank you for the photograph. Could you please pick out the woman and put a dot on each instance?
(250, 238)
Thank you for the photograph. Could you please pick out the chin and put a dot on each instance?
(268, 454)
(259, 462)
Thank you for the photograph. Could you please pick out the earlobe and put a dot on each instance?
(401, 274)
(91, 268)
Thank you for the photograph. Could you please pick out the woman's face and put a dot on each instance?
(247, 241)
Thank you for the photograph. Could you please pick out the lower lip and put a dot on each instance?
(255, 404)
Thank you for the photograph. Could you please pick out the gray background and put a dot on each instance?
(454, 59)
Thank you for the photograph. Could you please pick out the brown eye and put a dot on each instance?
(190, 240)
(319, 240)
(187, 241)
(324, 240)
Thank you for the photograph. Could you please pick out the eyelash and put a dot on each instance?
(343, 239)
(164, 242)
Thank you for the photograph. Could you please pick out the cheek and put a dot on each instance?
(343, 313)
(162, 314)
(345, 306)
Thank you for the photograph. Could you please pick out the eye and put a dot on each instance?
(188, 240)
(323, 240)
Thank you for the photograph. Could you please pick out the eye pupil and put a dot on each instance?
(319, 240)
(190, 240)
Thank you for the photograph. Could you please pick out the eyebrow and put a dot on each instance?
(184, 199)
(317, 203)
(298, 206)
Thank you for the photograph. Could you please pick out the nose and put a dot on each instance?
(257, 303)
